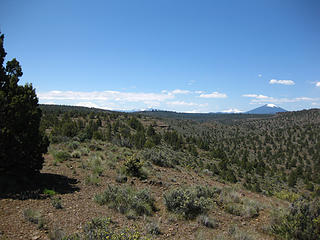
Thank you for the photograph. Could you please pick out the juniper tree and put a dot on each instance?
(21, 143)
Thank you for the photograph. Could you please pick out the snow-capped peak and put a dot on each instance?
(271, 105)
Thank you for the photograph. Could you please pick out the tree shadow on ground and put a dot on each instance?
(19, 187)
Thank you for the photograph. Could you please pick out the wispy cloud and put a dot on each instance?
(283, 82)
(105, 96)
(214, 95)
(175, 92)
(258, 98)
(88, 104)
(183, 103)
(317, 84)
(232, 110)
(179, 91)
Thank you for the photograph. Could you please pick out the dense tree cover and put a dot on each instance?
(21, 142)
(264, 154)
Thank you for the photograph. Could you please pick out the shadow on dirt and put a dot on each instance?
(23, 188)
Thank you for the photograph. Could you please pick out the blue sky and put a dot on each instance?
(181, 55)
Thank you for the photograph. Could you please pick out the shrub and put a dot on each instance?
(56, 202)
(73, 145)
(121, 178)
(61, 156)
(34, 216)
(159, 158)
(238, 234)
(92, 179)
(250, 208)
(153, 228)
(288, 196)
(234, 208)
(301, 222)
(127, 198)
(101, 229)
(133, 167)
(49, 192)
(76, 154)
(207, 221)
(56, 234)
(189, 202)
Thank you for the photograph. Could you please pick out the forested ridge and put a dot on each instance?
(265, 153)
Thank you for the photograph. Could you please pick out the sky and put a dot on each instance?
(177, 55)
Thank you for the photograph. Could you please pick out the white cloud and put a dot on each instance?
(199, 92)
(179, 91)
(48, 103)
(214, 95)
(105, 96)
(232, 110)
(283, 82)
(317, 84)
(182, 103)
(255, 96)
(88, 104)
(258, 98)
(304, 99)
(195, 111)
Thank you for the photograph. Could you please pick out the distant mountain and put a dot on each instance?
(267, 109)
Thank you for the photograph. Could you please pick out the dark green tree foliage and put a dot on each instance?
(21, 143)
(136, 124)
(139, 140)
(174, 139)
(292, 181)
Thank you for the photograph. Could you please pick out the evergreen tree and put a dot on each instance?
(21, 143)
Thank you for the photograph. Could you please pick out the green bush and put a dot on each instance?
(73, 145)
(301, 222)
(101, 229)
(189, 202)
(234, 208)
(159, 158)
(126, 199)
(61, 156)
(49, 192)
(134, 167)
(92, 179)
(288, 196)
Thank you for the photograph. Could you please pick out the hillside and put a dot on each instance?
(165, 175)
